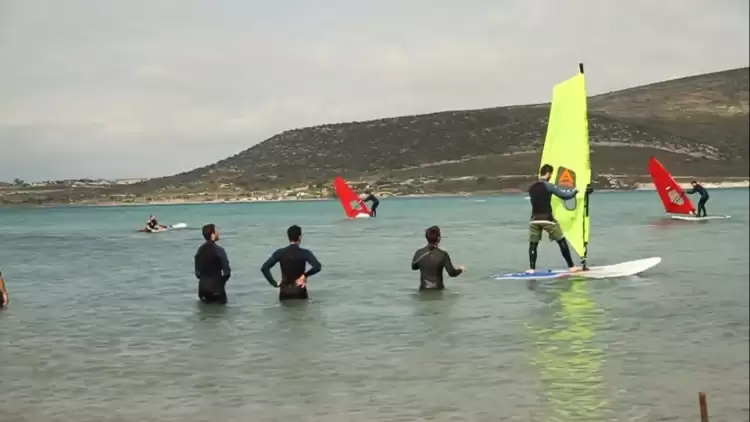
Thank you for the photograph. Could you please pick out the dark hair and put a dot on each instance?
(694, 182)
(432, 234)
(294, 233)
(545, 169)
(208, 230)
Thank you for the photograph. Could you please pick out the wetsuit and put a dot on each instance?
(212, 270)
(152, 224)
(293, 260)
(2, 290)
(700, 190)
(542, 219)
(430, 261)
(375, 203)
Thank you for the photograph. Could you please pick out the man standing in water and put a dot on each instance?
(700, 190)
(212, 268)
(431, 261)
(540, 194)
(3, 292)
(375, 202)
(293, 260)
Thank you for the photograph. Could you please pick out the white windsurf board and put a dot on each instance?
(622, 269)
(694, 218)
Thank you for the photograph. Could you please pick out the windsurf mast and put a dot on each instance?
(586, 195)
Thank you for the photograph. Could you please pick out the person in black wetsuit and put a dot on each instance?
(293, 260)
(212, 268)
(152, 224)
(431, 260)
(542, 219)
(375, 202)
(3, 292)
(700, 190)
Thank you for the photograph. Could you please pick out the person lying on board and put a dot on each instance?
(3, 292)
(700, 190)
(375, 202)
(212, 268)
(542, 220)
(294, 273)
(431, 261)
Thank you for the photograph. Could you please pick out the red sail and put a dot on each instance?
(349, 200)
(671, 194)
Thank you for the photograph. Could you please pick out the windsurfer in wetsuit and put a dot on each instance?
(3, 292)
(540, 194)
(431, 260)
(700, 190)
(152, 224)
(212, 268)
(375, 202)
(293, 261)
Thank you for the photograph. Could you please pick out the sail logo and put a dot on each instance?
(566, 178)
(675, 197)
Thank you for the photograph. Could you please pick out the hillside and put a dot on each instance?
(697, 126)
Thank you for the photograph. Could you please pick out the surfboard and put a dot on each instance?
(672, 196)
(623, 269)
(352, 204)
(566, 149)
(175, 226)
(695, 218)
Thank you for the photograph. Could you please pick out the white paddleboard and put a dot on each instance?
(362, 215)
(694, 218)
(623, 269)
(176, 226)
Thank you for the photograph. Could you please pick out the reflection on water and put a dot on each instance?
(666, 223)
(569, 363)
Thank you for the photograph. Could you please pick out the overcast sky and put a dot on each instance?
(152, 87)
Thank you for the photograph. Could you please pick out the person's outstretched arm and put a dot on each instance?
(449, 268)
(315, 265)
(563, 194)
(266, 268)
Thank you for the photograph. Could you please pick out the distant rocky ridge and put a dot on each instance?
(697, 126)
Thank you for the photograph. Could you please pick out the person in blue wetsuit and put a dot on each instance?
(294, 273)
(3, 292)
(375, 202)
(212, 268)
(542, 220)
(700, 190)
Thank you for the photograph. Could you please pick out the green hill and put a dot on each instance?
(697, 126)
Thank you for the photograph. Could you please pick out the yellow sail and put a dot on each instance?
(566, 149)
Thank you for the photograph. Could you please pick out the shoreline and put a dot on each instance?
(707, 185)
(639, 187)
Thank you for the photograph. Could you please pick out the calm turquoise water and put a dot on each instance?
(104, 324)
